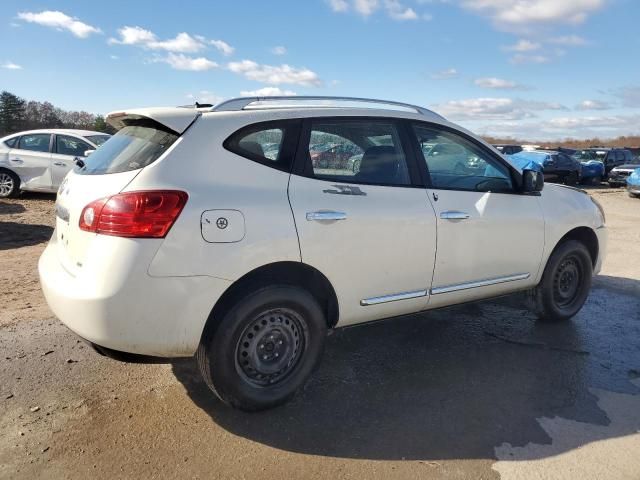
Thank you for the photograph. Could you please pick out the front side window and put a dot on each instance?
(357, 151)
(98, 139)
(37, 142)
(66, 145)
(455, 163)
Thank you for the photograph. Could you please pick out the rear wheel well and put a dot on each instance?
(587, 237)
(281, 273)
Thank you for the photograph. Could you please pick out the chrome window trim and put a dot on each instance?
(479, 283)
(393, 298)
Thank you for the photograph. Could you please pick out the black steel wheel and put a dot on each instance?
(263, 348)
(565, 283)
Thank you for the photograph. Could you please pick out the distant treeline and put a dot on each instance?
(17, 114)
(632, 141)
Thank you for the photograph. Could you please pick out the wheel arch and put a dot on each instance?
(587, 237)
(283, 273)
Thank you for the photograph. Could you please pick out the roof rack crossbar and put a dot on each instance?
(237, 104)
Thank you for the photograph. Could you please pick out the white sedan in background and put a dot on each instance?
(38, 160)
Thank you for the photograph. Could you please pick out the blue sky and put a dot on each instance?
(540, 69)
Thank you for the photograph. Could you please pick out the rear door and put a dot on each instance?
(364, 222)
(31, 160)
(490, 238)
(67, 149)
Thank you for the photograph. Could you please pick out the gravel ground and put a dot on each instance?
(477, 391)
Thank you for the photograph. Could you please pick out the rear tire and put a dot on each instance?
(595, 181)
(264, 347)
(9, 184)
(565, 283)
(571, 179)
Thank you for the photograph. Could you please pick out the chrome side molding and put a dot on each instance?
(479, 283)
(393, 298)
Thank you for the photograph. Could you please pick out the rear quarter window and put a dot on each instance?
(135, 146)
(11, 142)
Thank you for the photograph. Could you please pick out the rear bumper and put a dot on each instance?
(113, 302)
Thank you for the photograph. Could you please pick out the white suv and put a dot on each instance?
(239, 234)
(38, 160)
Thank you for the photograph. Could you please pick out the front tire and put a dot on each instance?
(9, 184)
(264, 348)
(565, 283)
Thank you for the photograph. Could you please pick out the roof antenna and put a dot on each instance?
(203, 105)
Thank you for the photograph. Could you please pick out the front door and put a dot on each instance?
(67, 150)
(490, 237)
(360, 219)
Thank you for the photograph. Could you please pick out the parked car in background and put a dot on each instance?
(611, 157)
(633, 183)
(558, 167)
(245, 261)
(619, 175)
(592, 172)
(38, 160)
(509, 149)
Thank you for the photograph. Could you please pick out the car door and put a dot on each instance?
(67, 149)
(367, 224)
(490, 237)
(31, 161)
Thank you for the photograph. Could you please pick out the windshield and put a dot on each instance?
(133, 147)
(590, 155)
(98, 140)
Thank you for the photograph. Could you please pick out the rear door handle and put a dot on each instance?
(60, 164)
(326, 215)
(17, 160)
(454, 215)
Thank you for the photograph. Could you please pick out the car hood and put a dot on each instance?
(628, 166)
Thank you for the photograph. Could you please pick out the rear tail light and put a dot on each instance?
(148, 214)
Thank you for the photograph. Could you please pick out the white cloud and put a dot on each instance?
(445, 74)
(629, 95)
(223, 47)
(520, 59)
(59, 21)
(523, 46)
(205, 96)
(338, 5)
(275, 75)
(365, 7)
(399, 12)
(180, 61)
(489, 108)
(11, 66)
(267, 92)
(513, 13)
(114, 57)
(569, 41)
(593, 105)
(496, 83)
(279, 50)
(182, 43)
(609, 122)
(133, 36)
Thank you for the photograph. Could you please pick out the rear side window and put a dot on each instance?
(627, 156)
(12, 142)
(357, 151)
(135, 146)
(270, 143)
(36, 142)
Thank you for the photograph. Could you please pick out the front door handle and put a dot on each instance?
(60, 164)
(454, 215)
(326, 215)
(17, 160)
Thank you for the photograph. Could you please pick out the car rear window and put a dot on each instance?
(135, 146)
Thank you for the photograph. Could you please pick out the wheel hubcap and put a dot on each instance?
(567, 281)
(270, 347)
(6, 184)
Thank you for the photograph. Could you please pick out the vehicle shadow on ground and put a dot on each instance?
(453, 383)
(16, 235)
(11, 208)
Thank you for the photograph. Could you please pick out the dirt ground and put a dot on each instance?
(477, 391)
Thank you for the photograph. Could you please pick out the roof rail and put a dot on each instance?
(241, 103)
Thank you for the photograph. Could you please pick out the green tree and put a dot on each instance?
(101, 125)
(12, 113)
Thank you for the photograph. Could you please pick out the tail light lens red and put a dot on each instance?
(147, 214)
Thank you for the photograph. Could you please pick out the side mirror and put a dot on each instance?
(532, 181)
(88, 152)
